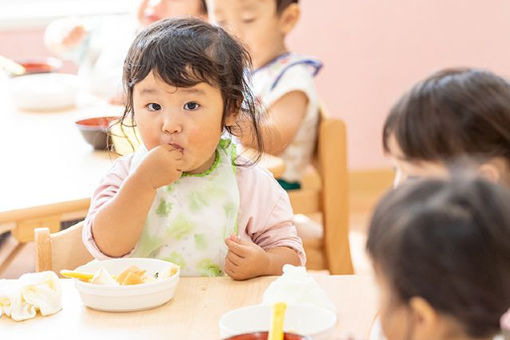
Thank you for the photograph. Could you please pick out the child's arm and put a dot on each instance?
(118, 223)
(267, 238)
(245, 259)
(279, 124)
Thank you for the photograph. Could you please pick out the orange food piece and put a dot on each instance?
(131, 276)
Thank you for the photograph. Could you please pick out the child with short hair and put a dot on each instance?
(282, 81)
(441, 255)
(455, 115)
(98, 45)
(184, 196)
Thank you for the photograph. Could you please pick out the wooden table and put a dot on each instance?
(194, 311)
(48, 172)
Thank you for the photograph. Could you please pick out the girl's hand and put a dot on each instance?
(244, 259)
(161, 166)
(74, 36)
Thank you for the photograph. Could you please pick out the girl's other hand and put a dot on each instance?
(244, 259)
(161, 166)
(74, 36)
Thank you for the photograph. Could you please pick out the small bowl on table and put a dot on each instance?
(310, 321)
(95, 130)
(264, 335)
(131, 297)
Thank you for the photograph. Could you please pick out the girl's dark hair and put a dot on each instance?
(282, 4)
(453, 113)
(203, 6)
(449, 243)
(185, 52)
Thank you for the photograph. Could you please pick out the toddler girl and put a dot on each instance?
(182, 196)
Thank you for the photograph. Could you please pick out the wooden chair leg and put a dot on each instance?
(43, 260)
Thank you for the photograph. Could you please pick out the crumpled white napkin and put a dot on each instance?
(31, 293)
(296, 286)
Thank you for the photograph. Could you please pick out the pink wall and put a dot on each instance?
(373, 50)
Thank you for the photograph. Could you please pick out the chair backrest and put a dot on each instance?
(60, 250)
(331, 199)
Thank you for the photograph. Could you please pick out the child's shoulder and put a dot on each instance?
(257, 184)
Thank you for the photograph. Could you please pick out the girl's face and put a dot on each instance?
(395, 317)
(405, 169)
(190, 119)
(255, 22)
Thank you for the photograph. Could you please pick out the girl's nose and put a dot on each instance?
(171, 125)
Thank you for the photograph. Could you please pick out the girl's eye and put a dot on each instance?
(153, 107)
(191, 106)
(248, 21)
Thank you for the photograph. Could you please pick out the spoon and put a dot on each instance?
(11, 66)
(277, 319)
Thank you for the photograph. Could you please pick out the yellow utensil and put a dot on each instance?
(277, 319)
(11, 66)
(77, 275)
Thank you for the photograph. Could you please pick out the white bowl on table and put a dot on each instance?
(313, 321)
(44, 91)
(131, 297)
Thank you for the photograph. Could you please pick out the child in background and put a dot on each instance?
(456, 115)
(282, 81)
(99, 44)
(182, 196)
(441, 255)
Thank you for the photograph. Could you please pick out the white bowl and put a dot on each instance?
(308, 320)
(44, 91)
(132, 297)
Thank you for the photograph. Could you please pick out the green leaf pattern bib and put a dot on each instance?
(190, 218)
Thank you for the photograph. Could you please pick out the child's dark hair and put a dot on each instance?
(185, 52)
(453, 113)
(281, 5)
(449, 243)
(203, 7)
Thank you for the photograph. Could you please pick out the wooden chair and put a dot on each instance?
(60, 250)
(325, 190)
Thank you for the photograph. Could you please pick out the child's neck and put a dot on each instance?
(278, 50)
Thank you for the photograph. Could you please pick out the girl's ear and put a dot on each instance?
(231, 117)
(426, 319)
(491, 170)
(289, 18)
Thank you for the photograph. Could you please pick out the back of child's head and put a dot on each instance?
(186, 52)
(447, 242)
(453, 113)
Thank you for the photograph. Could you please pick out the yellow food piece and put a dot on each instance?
(77, 275)
(277, 320)
(131, 276)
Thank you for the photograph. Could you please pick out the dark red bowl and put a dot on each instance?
(263, 336)
(95, 130)
(40, 65)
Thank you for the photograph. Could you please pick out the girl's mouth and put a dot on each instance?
(177, 147)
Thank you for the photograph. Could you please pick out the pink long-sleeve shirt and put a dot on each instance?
(264, 217)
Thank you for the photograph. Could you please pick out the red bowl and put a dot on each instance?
(40, 65)
(95, 130)
(263, 336)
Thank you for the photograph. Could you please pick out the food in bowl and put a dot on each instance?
(130, 276)
(264, 336)
(40, 65)
(114, 297)
(95, 131)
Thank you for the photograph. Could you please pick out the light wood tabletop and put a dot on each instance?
(194, 312)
